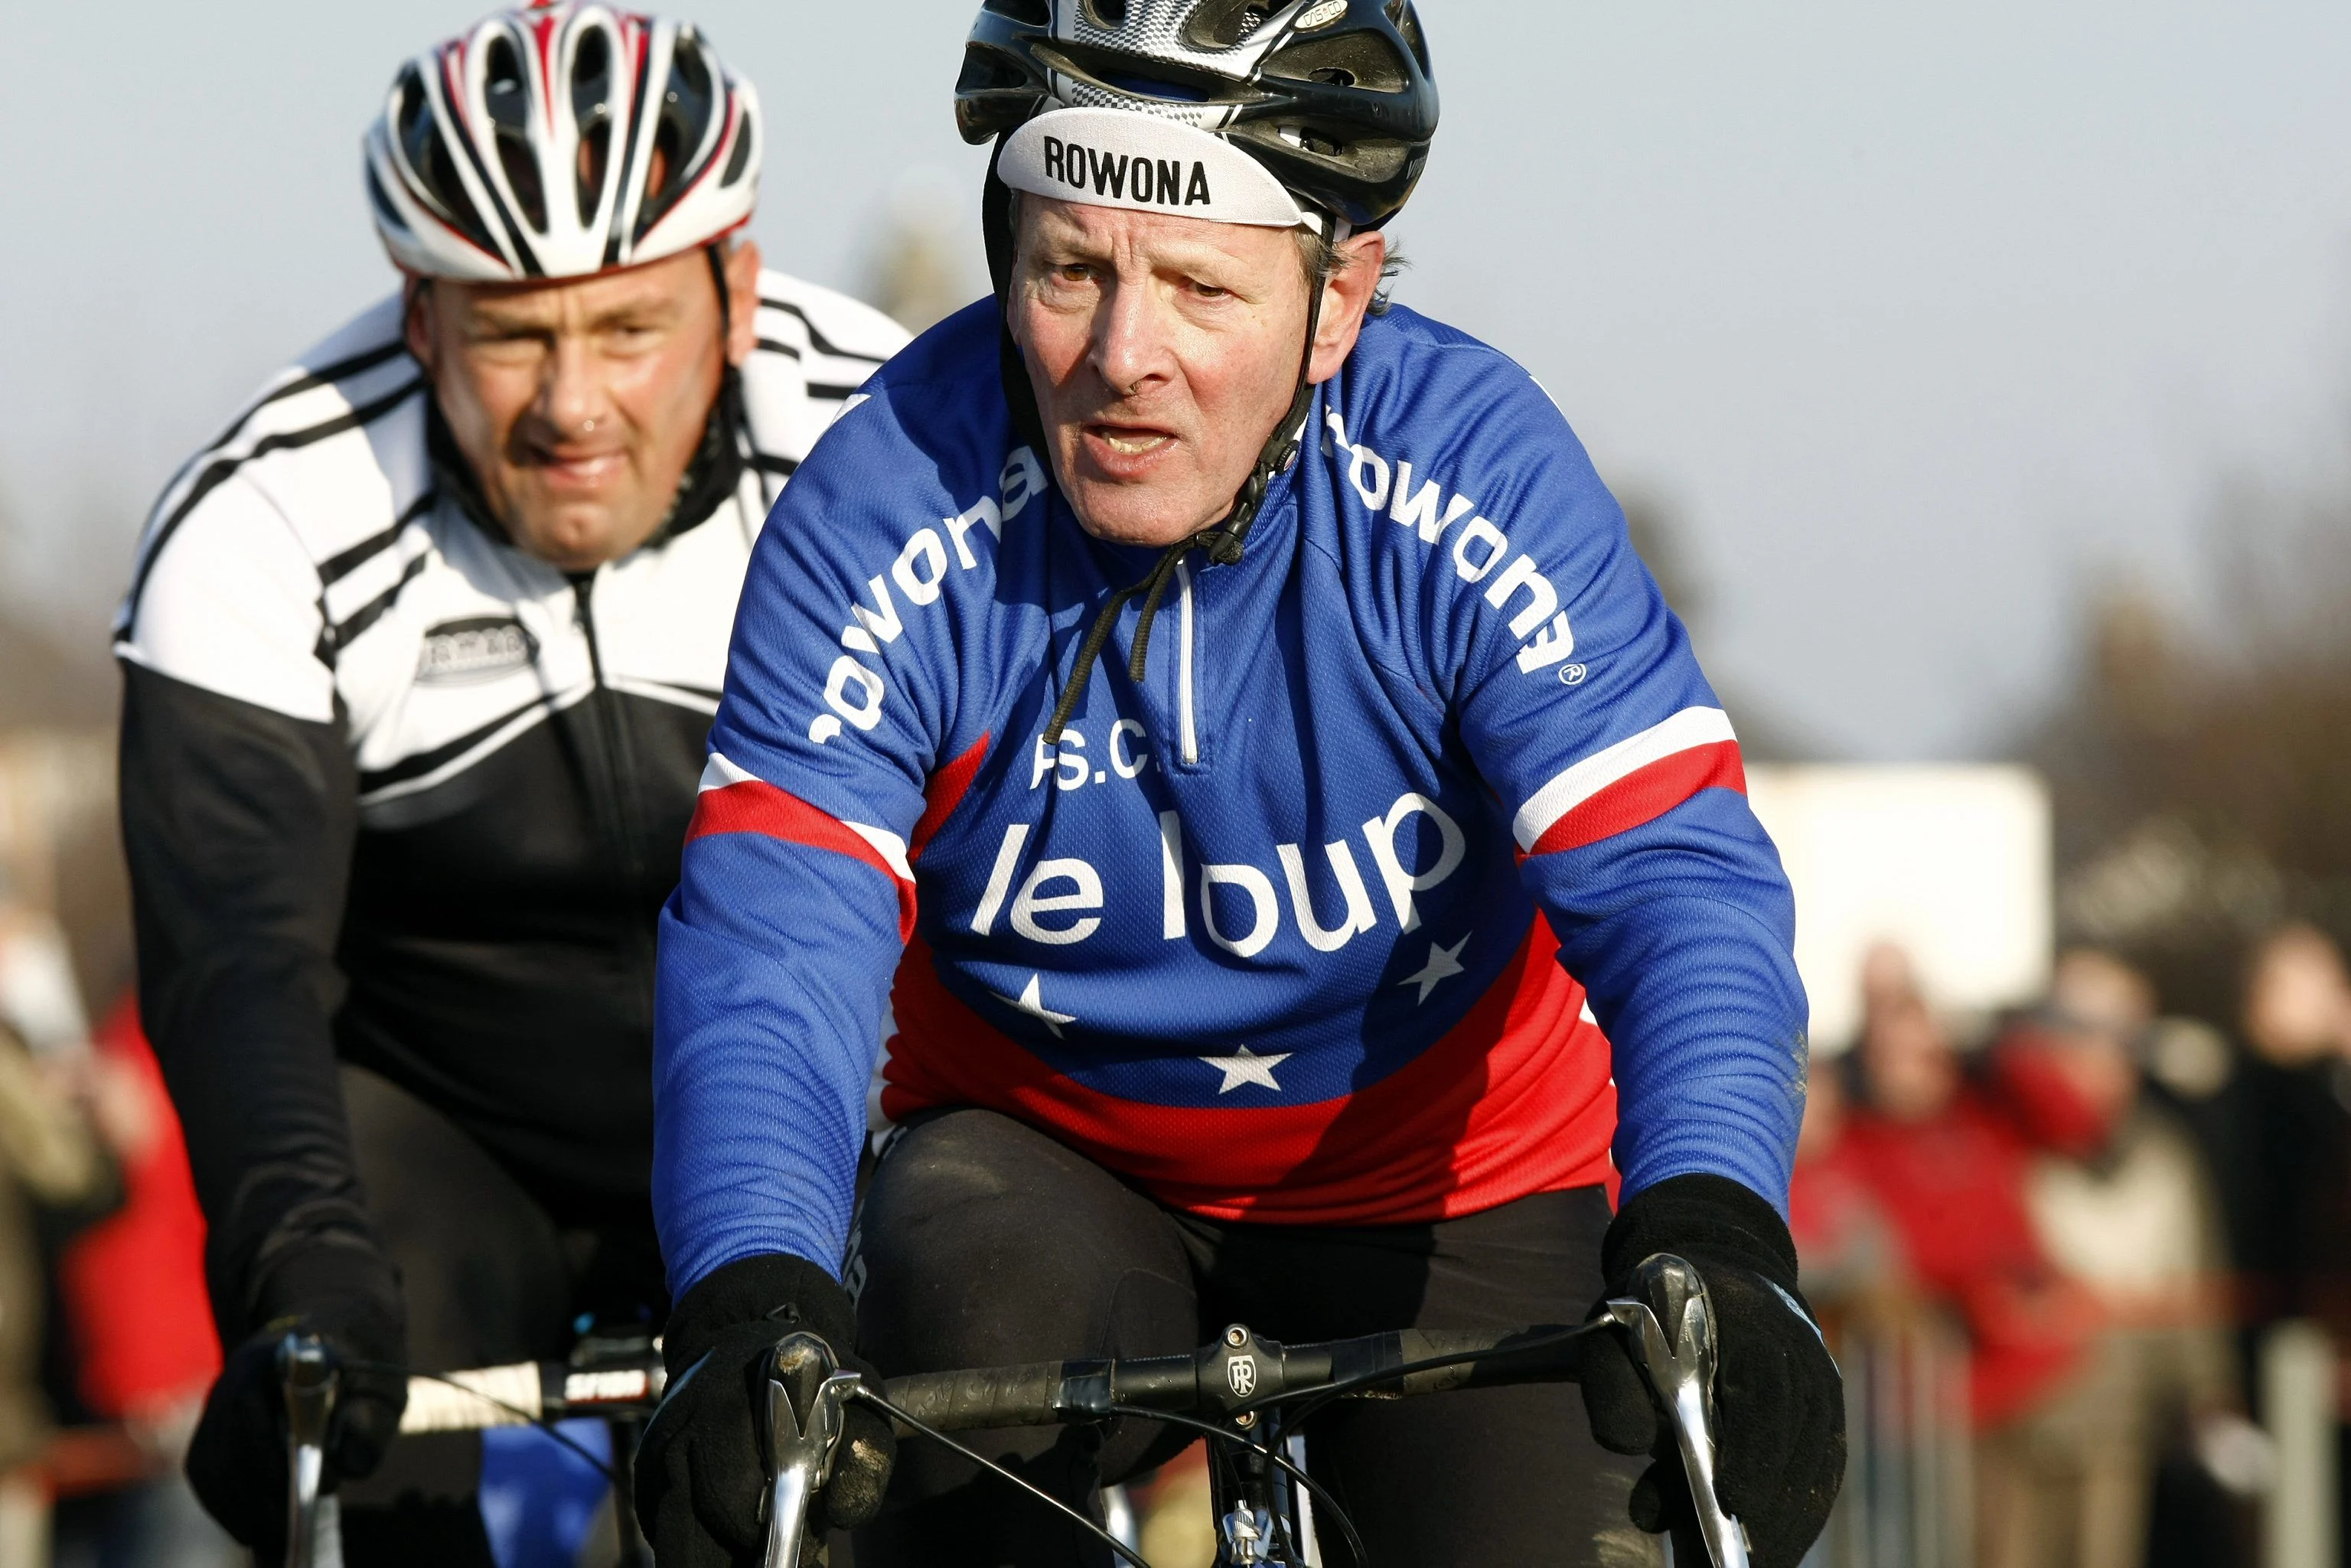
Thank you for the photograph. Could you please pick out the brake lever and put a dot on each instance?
(800, 1452)
(311, 1381)
(1672, 1329)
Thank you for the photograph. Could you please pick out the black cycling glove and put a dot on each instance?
(348, 1295)
(702, 1470)
(1778, 1395)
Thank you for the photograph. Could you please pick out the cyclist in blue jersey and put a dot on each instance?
(1208, 734)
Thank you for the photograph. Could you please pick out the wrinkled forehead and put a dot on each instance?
(674, 286)
(1054, 228)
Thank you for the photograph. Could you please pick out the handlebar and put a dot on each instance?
(1239, 1374)
(529, 1393)
(1670, 1324)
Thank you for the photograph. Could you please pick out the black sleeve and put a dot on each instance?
(238, 824)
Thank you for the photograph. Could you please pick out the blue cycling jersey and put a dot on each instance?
(1415, 876)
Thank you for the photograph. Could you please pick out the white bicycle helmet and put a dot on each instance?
(561, 139)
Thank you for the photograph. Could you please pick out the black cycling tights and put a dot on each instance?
(982, 1242)
(492, 1274)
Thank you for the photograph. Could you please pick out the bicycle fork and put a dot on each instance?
(1253, 1526)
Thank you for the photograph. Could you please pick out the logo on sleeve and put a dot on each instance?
(477, 649)
(1538, 623)
(853, 689)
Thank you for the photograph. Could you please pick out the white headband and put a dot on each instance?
(1117, 158)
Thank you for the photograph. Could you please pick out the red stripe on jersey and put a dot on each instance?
(1515, 1099)
(945, 792)
(1646, 794)
(753, 807)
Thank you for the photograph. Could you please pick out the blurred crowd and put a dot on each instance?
(106, 1335)
(2101, 1213)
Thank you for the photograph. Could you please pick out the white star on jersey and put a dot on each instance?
(1032, 1002)
(1444, 963)
(1246, 1066)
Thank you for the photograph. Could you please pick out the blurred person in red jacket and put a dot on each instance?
(102, 1201)
(132, 1290)
(54, 1177)
(1948, 1165)
(2122, 1204)
(1853, 1266)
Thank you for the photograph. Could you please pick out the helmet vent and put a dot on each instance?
(1222, 24)
(591, 108)
(426, 152)
(385, 213)
(591, 77)
(1408, 23)
(509, 97)
(595, 158)
(1362, 59)
(985, 71)
(502, 85)
(683, 119)
(409, 121)
(1107, 13)
(744, 134)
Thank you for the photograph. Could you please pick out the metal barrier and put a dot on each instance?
(1909, 1495)
(2300, 1527)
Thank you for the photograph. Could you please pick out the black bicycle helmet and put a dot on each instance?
(1333, 96)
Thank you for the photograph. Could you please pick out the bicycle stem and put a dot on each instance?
(311, 1381)
(1672, 1331)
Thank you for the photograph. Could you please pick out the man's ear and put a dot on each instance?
(419, 319)
(742, 270)
(1347, 296)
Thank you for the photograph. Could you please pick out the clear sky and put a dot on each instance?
(1920, 316)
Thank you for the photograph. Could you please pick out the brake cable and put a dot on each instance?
(1315, 1489)
(866, 1393)
(530, 1418)
(1317, 1397)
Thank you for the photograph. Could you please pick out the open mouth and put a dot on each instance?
(1127, 449)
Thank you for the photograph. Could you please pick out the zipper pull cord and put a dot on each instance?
(1154, 587)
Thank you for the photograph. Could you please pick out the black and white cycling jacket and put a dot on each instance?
(396, 792)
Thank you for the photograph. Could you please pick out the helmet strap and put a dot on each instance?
(725, 294)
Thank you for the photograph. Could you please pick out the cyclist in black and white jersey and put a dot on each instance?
(420, 657)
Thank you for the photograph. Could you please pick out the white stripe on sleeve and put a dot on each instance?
(1690, 728)
(718, 773)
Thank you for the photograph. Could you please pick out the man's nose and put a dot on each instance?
(1131, 343)
(570, 395)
